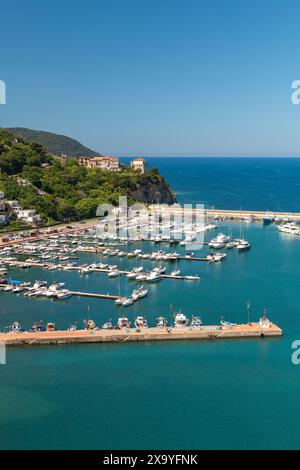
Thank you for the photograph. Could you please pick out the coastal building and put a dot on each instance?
(14, 205)
(23, 182)
(29, 216)
(138, 164)
(102, 163)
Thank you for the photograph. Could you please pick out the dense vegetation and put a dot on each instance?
(56, 144)
(62, 191)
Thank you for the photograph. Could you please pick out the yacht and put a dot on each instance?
(153, 277)
(139, 293)
(289, 227)
(243, 245)
(180, 320)
(220, 241)
(140, 322)
(192, 278)
(123, 323)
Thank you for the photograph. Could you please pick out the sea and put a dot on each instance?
(230, 394)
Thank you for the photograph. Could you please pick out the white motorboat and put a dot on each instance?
(139, 293)
(243, 245)
(153, 277)
(192, 278)
(180, 320)
(114, 273)
(127, 302)
(290, 228)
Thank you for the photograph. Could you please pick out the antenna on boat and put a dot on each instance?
(248, 310)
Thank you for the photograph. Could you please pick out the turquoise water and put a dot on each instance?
(240, 394)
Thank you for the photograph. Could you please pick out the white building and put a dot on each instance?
(138, 164)
(101, 163)
(29, 215)
(14, 205)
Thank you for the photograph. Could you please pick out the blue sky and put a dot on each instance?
(155, 77)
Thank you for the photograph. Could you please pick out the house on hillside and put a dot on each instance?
(102, 163)
(29, 216)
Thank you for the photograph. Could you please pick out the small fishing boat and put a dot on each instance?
(36, 326)
(140, 322)
(50, 326)
(196, 321)
(192, 278)
(107, 325)
(89, 324)
(161, 322)
(123, 323)
(73, 327)
(15, 327)
(127, 302)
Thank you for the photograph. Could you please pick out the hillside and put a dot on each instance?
(64, 190)
(54, 143)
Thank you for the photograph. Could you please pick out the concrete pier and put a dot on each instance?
(251, 330)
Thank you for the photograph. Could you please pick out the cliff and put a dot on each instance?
(157, 192)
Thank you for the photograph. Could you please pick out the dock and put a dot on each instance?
(209, 332)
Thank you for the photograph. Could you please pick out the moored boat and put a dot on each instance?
(140, 322)
(123, 323)
(180, 320)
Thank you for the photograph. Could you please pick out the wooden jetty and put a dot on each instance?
(251, 330)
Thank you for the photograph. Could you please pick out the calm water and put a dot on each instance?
(227, 394)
